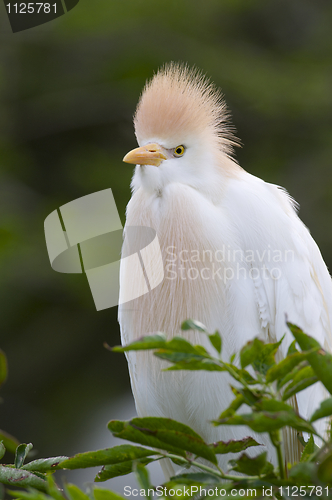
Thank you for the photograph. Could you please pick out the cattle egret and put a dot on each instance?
(236, 257)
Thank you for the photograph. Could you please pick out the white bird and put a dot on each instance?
(236, 256)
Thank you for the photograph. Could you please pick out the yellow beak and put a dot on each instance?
(151, 154)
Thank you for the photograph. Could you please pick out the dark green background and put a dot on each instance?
(68, 90)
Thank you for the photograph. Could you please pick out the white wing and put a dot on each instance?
(288, 271)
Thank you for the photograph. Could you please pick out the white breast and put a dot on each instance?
(195, 237)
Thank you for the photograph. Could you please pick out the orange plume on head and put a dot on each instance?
(179, 101)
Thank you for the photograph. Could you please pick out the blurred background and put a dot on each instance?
(68, 90)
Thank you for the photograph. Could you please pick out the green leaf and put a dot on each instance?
(250, 397)
(158, 341)
(216, 341)
(191, 324)
(301, 440)
(299, 387)
(325, 410)
(290, 376)
(180, 461)
(321, 361)
(250, 352)
(21, 453)
(304, 378)
(265, 404)
(292, 348)
(179, 357)
(304, 473)
(120, 469)
(10, 442)
(144, 343)
(179, 344)
(163, 433)
(324, 471)
(233, 446)
(31, 494)
(240, 375)
(259, 355)
(186, 361)
(101, 494)
(266, 358)
(2, 450)
(115, 455)
(74, 493)
(193, 478)
(206, 365)
(3, 367)
(143, 477)
(52, 488)
(255, 466)
(44, 464)
(21, 478)
(285, 366)
(303, 373)
(235, 405)
(269, 421)
(125, 430)
(309, 449)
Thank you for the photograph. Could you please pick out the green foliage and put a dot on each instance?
(320, 360)
(233, 446)
(259, 355)
(163, 433)
(269, 421)
(10, 442)
(143, 478)
(3, 367)
(256, 466)
(120, 469)
(261, 384)
(113, 456)
(285, 366)
(44, 464)
(18, 477)
(309, 449)
(325, 410)
(21, 453)
(2, 450)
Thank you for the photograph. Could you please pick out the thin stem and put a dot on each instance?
(281, 463)
(218, 473)
(234, 374)
(276, 441)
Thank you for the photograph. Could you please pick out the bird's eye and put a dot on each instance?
(179, 151)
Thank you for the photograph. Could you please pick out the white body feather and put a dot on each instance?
(211, 205)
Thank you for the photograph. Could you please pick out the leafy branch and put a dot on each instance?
(264, 389)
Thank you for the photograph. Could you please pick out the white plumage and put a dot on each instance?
(236, 256)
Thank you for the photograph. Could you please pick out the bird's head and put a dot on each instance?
(181, 125)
